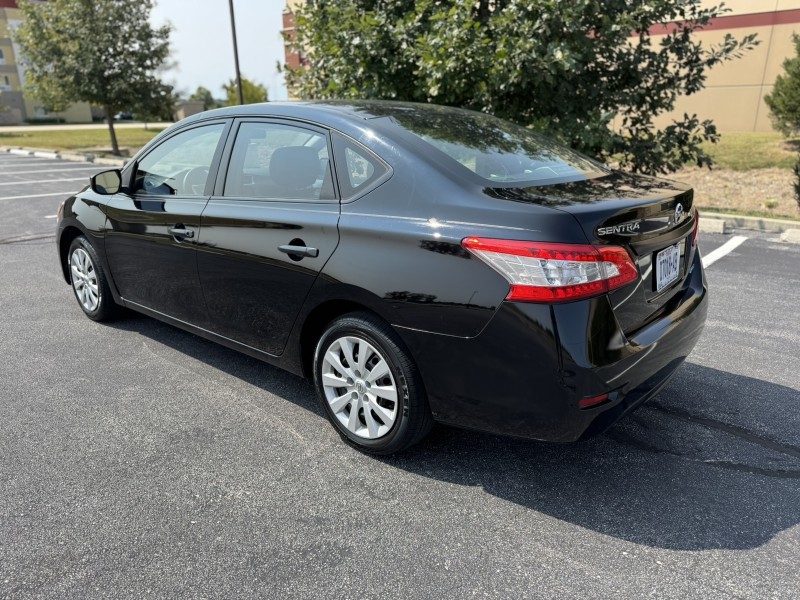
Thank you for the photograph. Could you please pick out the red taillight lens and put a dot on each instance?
(548, 272)
(696, 227)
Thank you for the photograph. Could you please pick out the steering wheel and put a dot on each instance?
(194, 181)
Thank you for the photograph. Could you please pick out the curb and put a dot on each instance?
(791, 235)
(723, 223)
(70, 156)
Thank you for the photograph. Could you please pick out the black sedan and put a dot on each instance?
(420, 263)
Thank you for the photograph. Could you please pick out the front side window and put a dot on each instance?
(277, 161)
(180, 165)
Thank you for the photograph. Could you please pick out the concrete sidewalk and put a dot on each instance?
(59, 155)
(77, 127)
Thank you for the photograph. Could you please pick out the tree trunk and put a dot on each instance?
(110, 119)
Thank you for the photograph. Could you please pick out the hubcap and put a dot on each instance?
(359, 387)
(84, 279)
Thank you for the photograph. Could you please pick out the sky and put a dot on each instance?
(202, 48)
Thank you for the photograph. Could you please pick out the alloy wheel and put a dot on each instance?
(359, 387)
(84, 280)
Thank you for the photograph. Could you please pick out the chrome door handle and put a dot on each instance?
(178, 231)
(299, 250)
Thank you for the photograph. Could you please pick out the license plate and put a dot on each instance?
(668, 266)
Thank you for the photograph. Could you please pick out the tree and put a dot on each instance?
(570, 70)
(784, 101)
(100, 51)
(155, 104)
(252, 92)
(203, 95)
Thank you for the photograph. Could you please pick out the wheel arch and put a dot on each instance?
(68, 235)
(317, 320)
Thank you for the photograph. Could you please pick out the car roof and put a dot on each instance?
(325, 112)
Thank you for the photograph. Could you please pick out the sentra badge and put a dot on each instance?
(630, 228)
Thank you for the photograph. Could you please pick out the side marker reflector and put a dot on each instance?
(593, 401)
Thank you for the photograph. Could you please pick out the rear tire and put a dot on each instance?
(369, 387)
(89, 283)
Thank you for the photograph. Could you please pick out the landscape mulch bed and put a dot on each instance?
(766, 191)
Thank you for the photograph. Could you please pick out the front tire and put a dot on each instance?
(368, 386)
(89, 283)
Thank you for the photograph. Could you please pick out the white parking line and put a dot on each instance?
(726, 248)
(95, 168)
(65, 194)
(38, 181)
(51, 216)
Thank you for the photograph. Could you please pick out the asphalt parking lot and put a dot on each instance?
(139, 461)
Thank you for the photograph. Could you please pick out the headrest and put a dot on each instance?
(294, 167)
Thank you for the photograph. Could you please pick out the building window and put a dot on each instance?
(2, 57)
(5, 84)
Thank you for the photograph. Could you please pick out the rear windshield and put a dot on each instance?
(497, 150)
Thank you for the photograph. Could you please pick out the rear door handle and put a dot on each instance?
(299, 250)
(179, 231)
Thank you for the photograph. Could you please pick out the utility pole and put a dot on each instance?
(236, 56)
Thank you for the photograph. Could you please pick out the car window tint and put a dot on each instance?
(498, 151)
(358, 169)
(276, 161)
(179, 166)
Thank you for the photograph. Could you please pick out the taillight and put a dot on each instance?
(547, 272)
(696, 227)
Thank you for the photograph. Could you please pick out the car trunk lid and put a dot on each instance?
(653, 219)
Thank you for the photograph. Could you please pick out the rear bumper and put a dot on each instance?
(526, 372)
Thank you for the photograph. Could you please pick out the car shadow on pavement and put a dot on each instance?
(713, 462)
(666, 476)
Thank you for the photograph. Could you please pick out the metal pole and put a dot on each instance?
(236, 55)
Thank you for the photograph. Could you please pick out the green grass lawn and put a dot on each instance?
(743, 151)
(738, 151)
(78, 140)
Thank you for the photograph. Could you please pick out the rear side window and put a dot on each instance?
(358, 170)
(277, 161)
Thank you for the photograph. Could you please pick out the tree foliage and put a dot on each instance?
(252, 92)
(588, 72)
(205, 96)
(104, 52)
(784, 101)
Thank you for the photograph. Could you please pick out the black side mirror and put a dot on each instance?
(106, 182)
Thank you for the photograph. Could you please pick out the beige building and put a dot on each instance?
(734, 93)
(12, 77)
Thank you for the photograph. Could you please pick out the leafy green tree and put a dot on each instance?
(156, 104)
(205, 96)
(784, 101)
(251, 92)
(796, 171)
(587, 72)
(100, 51)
